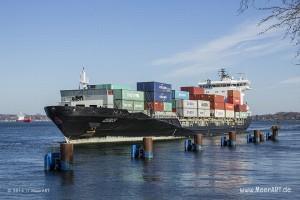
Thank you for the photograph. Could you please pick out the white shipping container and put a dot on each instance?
(203, 113)
(186, 112)
(107, 99)
(243, 115)
(203, 105)
(237, 114)
(229, 114)
(186, 104)
(218, 113)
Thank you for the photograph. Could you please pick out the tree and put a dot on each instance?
(283, 14)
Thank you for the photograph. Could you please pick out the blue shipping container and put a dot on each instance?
(177, 94)
(158, 96)
(154, 87)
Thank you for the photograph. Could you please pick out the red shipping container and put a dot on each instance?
(155, 106)
(233, 100)
(240, 108)
(213, 98)
(173, 109)
(234, 93)
(217, 106)
(229, 106)
(193, 90)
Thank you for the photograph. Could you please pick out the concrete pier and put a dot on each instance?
(66, 153)
(148, 147)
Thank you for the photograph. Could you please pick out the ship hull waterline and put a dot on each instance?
(85, 123)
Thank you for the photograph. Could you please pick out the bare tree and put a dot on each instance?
(282, 14)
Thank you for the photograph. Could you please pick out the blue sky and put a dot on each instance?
(44, 44)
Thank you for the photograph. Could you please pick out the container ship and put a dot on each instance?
(153, 109)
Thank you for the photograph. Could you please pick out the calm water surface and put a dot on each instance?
(103, 171)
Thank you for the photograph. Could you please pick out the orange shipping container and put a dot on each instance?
(212, 98)
(155, 106)
(217, 106)
(240, 108)
(229, 106)
(234, 93)
(233, 100)
(193, 90)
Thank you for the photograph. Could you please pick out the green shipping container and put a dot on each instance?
(123, 104)
(112, 86)
(131, 95)
(173, 103)
(139, 105)
(167, 107)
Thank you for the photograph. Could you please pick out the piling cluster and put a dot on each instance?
(260, 136)
(59, 161)
(144, 151)
(230, 141)
(196, 146)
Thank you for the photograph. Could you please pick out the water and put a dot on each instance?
(105, 171)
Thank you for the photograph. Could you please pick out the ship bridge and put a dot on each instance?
(226, 83)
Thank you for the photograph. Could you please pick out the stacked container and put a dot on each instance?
(129, 99)
(193, 91)
(241, 111)
(203, 108)
(178, 95)
(233, 97)
(158, 96)
(186, 108)
(229, 110)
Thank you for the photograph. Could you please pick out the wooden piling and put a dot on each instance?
(232, 138)
(261, 136)
(256, 136)
(198, 141)
(66, 153)
(274, 132)
(148, 147)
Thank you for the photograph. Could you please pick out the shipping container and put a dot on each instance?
(124, 104)
(204, 105)
(229, 113)
(208, 97)
(191, 104)
(107, 99)
(173, 103)
(154, 87)
(186, 112)
(177, 94)
(241, 108)
(229, 106)
(167, 107)
(192, 90)
(128, 95)
(138, 105)
(233, 93)
(203, 113)
(217, 106)
(234, 100)
(110, 86)
(243, 115)
(217, 113)
(158, 96)
(237, 115)
(155, 106)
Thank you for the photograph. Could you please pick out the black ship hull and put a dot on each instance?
(88, 122)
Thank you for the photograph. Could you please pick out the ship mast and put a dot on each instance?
(83, 82)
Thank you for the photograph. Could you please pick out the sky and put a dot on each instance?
(45, 44)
